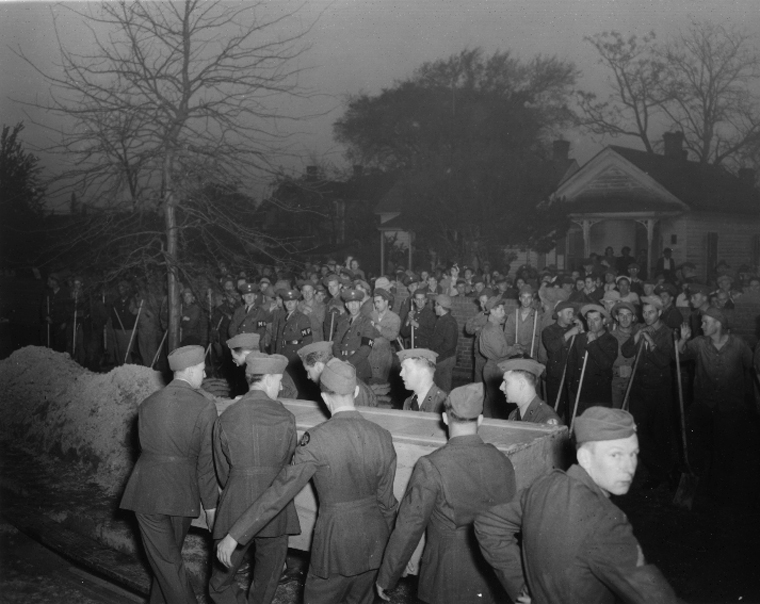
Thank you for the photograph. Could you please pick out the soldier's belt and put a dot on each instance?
(292, 342)
(347, 353)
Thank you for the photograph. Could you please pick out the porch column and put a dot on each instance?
(586, 225)
(649, 224)
(382, 252)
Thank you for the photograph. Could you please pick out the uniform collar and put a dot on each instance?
(579, 474)
(179, 383)
(530, 409)
(468, 440)
(346, 412)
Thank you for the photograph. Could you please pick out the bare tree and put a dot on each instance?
(176, 100)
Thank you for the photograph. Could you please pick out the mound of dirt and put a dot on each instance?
(52, 405)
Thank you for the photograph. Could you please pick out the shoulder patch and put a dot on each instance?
(305, 439)
(368, 342)
(305, 332)
(261, 323)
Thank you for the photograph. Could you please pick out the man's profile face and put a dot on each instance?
(439, 310)
(381, 304)
(651, 314)
(511, 386)
(710, 326)
(611, 463)
(565, 316)
(411, 373)
(315, 371)
(334, 288)
(697, 299)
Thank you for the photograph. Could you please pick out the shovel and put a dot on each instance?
(687, 484)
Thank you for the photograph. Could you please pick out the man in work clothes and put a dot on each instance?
(353, 464)
(254, 439)
(417, 372)
(521, 328)
(577, 546)
(625, 316)
(354, 336)
(386, 324)
(447, 489)
(316, 355)
(175, 469)
(421, 318)
(444, 342)
(557, 338)
(519, 387)
(335, 306)
(494, 347)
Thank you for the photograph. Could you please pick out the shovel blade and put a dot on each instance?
(687, 489)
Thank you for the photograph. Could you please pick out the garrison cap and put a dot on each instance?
(361, 283)
(339, 377)
(526, 289)
(603, 423)
(467, 401)
(494, 301)
(304, 351)
(528, 365)
(596, 308)
(384, 294)
(382, 283)
(186, 356)
(655, 301)
(718, 315)
(351, 295)
(623, 304)
(417, 353)
(290, 294)
(444, 300)
(564, 305)
(666, 287)
(698, 288)
(265, 280)
(260, 363)
(244, 340)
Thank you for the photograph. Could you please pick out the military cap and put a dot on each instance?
(282, 284)
(331, 277)
(270, 293)
(528, 365)
(339, 377)
(611, 295)
(248, 288)
(244, 340)
(345, 281)
(186, 356)
(595, 308)
(698, 288)
(417, 353)
(718, 315)
(655, 301)
(467, 401)
(265, 280)
(666, 287)
(363, 284)
(384, 294)
(382, 283)
(444, 300)
(290, 294)
(320, 288)
(564, 305)
(493, 302)
(603, 423)
(621, 305)
(526, 289)
(351, 295)
(260, 363)
(304, 351)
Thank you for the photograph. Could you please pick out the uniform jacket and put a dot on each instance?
(557, 349)
(254, 439)
(520, 331)
(448, 488)
(577, 546)
(537, 412)
(175, 468)
(423, 335)
(293, 332)
(432, 403)
(493, 344)
(353, 465)
(353, 342)
(254, 319)
(445, 336)
(315, 312)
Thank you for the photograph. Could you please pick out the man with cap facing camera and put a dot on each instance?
(254, 439)
(294, 331)
(444, 342)
(316, 355)
(577, 546)
(447, 489)
(175, 469)
(354, 335)
(719, 420)
(353, 464)
(519, 330)
(625, 316)
(386, 324)
(556, 338)
(417, 372)
(251, 317)
(494, 347)
(519, 386)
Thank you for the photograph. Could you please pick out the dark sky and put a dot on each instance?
(363, 45)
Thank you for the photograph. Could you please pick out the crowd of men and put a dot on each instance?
(597, 351)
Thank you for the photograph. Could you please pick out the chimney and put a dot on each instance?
(358, 170)
(747, 176)
(311, 173)
(560, 150)
(673, 142)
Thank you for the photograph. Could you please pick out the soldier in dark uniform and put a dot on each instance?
(174, 471)
(252, 317)
(577, 546)
(335, 306)
(556, 339)
(316, 355)
(355, 493)
(254, 439)
(295, 330)
(122, 317)
(354, 335)
(600, 349)
(651, 392)
(519, 387)
(417, 372)
(420, 317)
(240, 347)
(444, 342)
(447, 489)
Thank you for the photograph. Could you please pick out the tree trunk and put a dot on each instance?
(173, 294)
